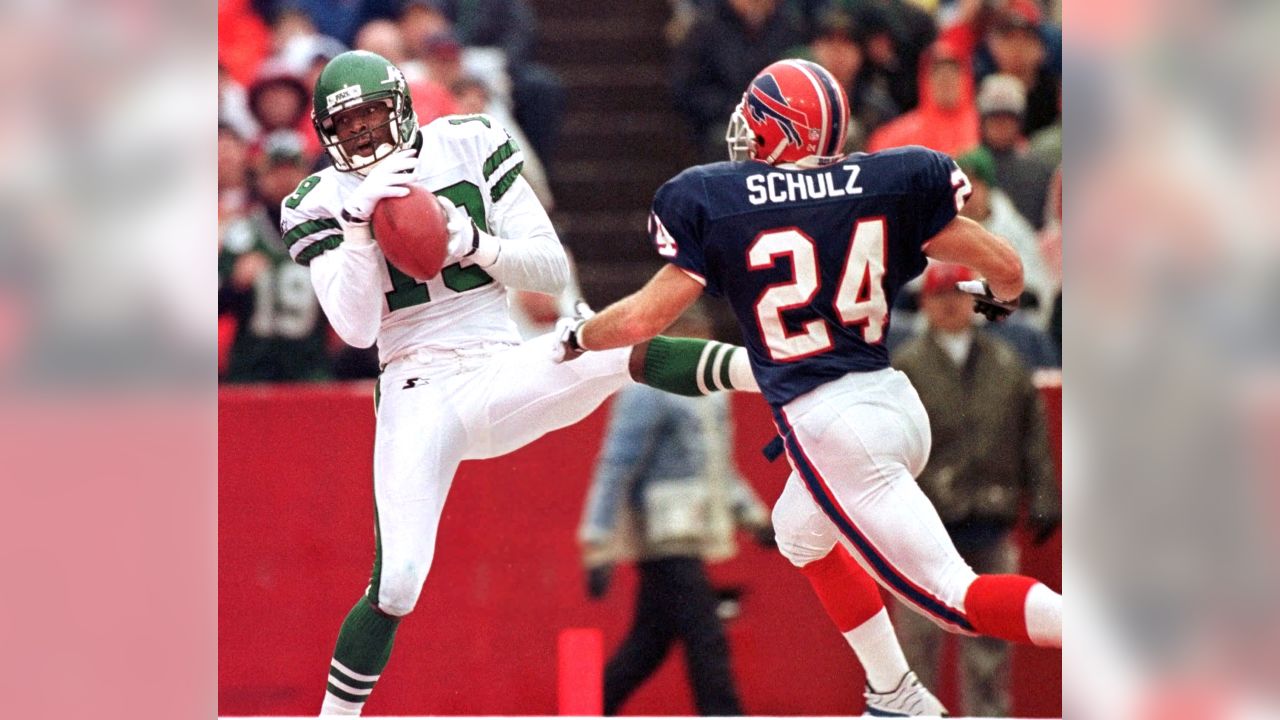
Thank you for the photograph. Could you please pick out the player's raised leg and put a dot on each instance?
(852, 599)
(527, 393)
(854, 443)
(417, 449)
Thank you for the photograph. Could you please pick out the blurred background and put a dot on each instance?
(109, 403)
(609, 100)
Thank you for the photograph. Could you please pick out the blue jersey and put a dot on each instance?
(810, 260)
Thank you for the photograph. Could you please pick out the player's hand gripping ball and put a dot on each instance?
(413, 232)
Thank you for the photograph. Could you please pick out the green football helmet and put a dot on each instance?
(352, 79)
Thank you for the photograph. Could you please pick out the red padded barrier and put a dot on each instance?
(296, 545)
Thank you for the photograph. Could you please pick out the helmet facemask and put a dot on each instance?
(401, 123)
(740, 139)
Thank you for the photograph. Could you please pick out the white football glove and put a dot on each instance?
(462, 230)
(466, 239)
(566, 333)
(387, 179)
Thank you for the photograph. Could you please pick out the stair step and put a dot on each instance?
(621, 139)
(615, 75)
(613, 99)
(587, 123)
(650, 13)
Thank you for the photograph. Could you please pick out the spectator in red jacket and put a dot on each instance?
(946, 119)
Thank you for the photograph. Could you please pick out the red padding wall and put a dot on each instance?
(296, 546)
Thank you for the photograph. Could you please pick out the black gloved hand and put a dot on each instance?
(985, 303)
(1043, 528)
(598, 579)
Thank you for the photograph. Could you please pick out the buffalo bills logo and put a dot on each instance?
(765, 100)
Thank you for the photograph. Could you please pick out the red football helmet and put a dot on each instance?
(794, 111)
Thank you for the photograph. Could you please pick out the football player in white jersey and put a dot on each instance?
(457, 383)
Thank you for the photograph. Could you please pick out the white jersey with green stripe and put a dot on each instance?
(474, 163)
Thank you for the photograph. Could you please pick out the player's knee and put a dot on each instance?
(802, 537)
(399, 588)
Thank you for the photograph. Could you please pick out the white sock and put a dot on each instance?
(1043, 609)
(877, 648)
(740, 375)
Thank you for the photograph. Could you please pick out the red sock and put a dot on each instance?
(847, 592)
(996, 606)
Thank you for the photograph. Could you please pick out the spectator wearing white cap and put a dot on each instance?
(1002, 101)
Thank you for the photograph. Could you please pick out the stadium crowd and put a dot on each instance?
(978, 79)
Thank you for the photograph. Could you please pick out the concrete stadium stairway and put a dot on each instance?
(621, 139)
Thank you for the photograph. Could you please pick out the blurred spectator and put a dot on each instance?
(1019, 50)
(384, 38)
(1011, 37)
(442, 55)
(340, 19)
(1002, 102)
(243, 40)
(1051, 249)
(306, 55)
(946, 119)
(280, 100)
(280, 332)
(233, 175)
(836, 48)
(990, 206)
(510, 28)
(1046, 144)
(727, 45)
(418, 20)
(666, 494)
(990, 455)
(431, 99)
(437, 54)
(895, 35)
(290, 23)
(233, 105)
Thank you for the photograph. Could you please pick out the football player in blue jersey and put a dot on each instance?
(810, 247)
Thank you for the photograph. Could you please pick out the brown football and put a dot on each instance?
(413, 232)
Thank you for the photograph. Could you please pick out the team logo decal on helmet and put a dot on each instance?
(794, 111)
(765, 101)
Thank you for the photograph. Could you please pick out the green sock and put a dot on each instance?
(690, 366)
(364, 644)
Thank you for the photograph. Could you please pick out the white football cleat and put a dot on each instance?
(910, 699)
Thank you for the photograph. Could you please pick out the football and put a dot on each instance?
(413, 232)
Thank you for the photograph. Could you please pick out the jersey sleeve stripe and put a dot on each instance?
(499, 156)
(312, 251)
(309, 227)
(505, 182)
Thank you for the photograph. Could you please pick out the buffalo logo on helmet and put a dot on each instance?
(765, 101)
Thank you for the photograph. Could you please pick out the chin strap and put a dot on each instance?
(776, 152)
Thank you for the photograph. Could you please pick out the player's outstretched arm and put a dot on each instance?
(642, 314)
(967, 243)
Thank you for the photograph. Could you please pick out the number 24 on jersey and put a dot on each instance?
(859, 298)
